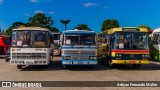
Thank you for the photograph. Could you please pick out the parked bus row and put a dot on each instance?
(126, 45)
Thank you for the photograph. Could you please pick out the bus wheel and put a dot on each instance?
(49, 64)
(91, 67)
(19, 66)
(65, 66)
(109, 63)
(6, 59)
(136, 66)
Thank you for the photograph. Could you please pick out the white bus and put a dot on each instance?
(56, 36)
(31, 46)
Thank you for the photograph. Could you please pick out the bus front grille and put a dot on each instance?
(79, 58)
(28, 55)
(79, 52)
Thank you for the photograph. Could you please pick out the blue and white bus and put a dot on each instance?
(79, 47)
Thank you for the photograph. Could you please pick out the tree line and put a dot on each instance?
(41, 20)
(113, 23)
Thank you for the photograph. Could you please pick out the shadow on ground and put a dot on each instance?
(56, 65)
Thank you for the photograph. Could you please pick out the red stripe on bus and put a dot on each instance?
(130, 50)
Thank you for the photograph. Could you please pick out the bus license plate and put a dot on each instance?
(29, 62)
(80, 63)
(132, 62)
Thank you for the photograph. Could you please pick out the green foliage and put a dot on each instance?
(40, 20)
(9, 30)
(53, 29)
(65, 22)
(144, 26)
(17, 24)
(82, 27)
(14, 25)
(109, 24)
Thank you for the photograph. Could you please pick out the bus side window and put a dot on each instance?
(155, 38)
(158, 39)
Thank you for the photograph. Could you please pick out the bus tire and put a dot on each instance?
(136, 66)
(49, 64)
(19, 66)
(65, 66)
(91, 67)
(109, 63)
(6, 59)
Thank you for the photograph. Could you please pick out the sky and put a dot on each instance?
(90, 12)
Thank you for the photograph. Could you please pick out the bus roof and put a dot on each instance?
(32, 28)
(79, 31)
(56, 32)
(127, 29)
(156, 30)
(3, 36)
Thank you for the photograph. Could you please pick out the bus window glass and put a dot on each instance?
(88, 39)
(131, 41)
(80, 39)
(30, 39)
(71, 39)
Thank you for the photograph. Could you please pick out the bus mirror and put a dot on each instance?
(60, 42)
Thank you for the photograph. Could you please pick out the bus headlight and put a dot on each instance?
(92, 58)
(118, 55)
(145, 56)
(67, 57)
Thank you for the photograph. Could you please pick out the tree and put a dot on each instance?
(108, 24)
(14, 25)
(40, 20)
(0, 30)
(9, 30)
(144, 26)
(82, 27)
(17, 24)
(65, 22)
(53, 29)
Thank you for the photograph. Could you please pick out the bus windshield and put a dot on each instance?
(136, 41)
(79, 39)
(33, 39)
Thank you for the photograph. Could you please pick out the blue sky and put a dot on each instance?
(90, 12)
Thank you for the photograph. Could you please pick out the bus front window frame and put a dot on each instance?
(79, 39)
(29, 39)
(129, 41)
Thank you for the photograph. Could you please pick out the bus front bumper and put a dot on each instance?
(29, 62)
(130, 62)
(79, 62)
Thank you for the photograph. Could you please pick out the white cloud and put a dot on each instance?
(33, 1)
(1, 2)
(51, 12)
(38, 11)
(27, 14)
(89, 4)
